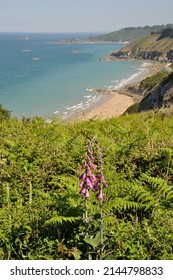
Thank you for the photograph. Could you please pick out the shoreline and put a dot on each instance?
(119, 98)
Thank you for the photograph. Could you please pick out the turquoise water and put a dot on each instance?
(41, 77)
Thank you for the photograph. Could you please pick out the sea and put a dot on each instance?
(41, 76)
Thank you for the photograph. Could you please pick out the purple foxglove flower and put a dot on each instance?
(92, 178)
(90, 152)
(91, 156)
(92, 181)
(92, 165)
(88, 182)
(81, 183)
(83, 191)
(102, 177)
(96, 184)
(105, 185)
(87, 194)
(88, 169)
(89, 172)
(99, 195)
(91, 186)
(83, 176)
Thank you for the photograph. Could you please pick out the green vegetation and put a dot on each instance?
(151, 82)
(130, 33)
(149, 44)
(167, 32)
(41, 210)
(4, 113)
(156, 47)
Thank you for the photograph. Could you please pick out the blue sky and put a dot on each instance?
(81, 15)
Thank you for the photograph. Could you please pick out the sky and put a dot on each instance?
(59, 16)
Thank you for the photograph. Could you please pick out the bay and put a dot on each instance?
(40, 77)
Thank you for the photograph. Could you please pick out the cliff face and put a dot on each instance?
(153, 55)
(162, 96)
(155, 47)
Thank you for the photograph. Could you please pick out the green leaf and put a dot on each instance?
(77, 254)
(60, 220)
(94, 242)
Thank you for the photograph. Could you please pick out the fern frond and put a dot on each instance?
(60, 220)
(121, 204)
(161, 187)
(143, 195)
(169, 196)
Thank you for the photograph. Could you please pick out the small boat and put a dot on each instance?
(35, 58)
(73, 51)
(26, 38)
(25, 50)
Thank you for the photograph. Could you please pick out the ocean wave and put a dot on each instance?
(134, 77)
(87, 96)
(70, 108)
(89, 89)
(80, 107)
(56, 112)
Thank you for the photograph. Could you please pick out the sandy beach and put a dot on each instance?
(113, 107)
(120, 98)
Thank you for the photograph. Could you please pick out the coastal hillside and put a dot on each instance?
(157, 46)
(154, 92)
(129, 33)
(160, 97)
(43, 198)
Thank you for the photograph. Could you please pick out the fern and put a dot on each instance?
(161, 191)
(121, 204)
(60, 220)
(143, 195)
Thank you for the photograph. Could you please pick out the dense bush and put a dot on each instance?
(41, 210)
(4, 113)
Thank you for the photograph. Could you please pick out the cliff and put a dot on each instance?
(157, 46)
(160, 97)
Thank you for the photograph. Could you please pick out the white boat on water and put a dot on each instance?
(25, 50)
(35, 58)
(26, 38)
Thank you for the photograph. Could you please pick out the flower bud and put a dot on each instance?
(99, 195)
(87, 194)
(81, 183)
(83, 191)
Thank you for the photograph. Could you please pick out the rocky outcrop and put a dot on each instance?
(169, 55)
(146, 55)
(161, 97)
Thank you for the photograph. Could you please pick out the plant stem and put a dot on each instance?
(101, 226)
(30, 195)
(8, 195)
(86, 228)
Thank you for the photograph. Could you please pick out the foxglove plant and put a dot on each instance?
(87, 182)
(88, 178)
(99, 185)
(90, 181)
(93, 182)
